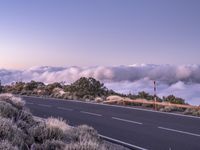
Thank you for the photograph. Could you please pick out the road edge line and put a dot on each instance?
(130, 146)
(179, 131)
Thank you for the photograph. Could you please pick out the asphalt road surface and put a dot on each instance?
(140, 128)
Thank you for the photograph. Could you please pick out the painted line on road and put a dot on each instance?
(63, 108)
(125, 120)
(179, 131)
(44, 105)
(122, 143)
(90, 113)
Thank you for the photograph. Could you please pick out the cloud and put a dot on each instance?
(182, 80)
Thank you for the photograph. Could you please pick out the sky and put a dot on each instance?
(98, 32)
(126, 44)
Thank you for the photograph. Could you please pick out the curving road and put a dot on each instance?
(142, 129)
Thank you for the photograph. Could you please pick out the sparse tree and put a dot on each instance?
(174, 100)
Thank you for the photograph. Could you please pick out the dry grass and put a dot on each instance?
(171, 109)
(15, 101)
(57, 123)
(20, 130)
(6, 145)
(192, 111)
(126, 101)
(85, 138)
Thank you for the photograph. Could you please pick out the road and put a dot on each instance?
(140, 128)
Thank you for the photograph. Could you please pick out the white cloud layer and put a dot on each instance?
(183, 80)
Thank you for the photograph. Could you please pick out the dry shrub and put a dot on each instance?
(38, 132)
(42, 132)
(10, 132)
(36, 146)
(84, 132)
(99, 99)
(53, 145)
(192, 111)
(14, 101)
(147, 105)
(132, 103)
(6, 145)
(26, 116)
(84, 138)
(57, 123)
(7, 110)
(171, 109)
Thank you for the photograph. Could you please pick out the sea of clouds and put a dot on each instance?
(182, 80)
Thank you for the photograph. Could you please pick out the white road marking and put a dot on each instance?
(89, 113)
(29, 103)
(179, 131)
(63, 108)
(122, 143)
(125, 120)
(44, 105)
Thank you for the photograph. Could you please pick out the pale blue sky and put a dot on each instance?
(98, 32)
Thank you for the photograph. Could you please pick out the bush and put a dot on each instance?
(144, 95)
(57, 123)
(192, 111)
(35, 146)
(170, 109)
(87, 86)
(38, 132)
(173, 99)
(43, 132)
(147, 105)
(84, 137)
(7, 110)
(49, 145)
(10, 132)
(85, 132)
(14, 101)
(99, 99)
(53, 145)
(6, 145)
(26, 116)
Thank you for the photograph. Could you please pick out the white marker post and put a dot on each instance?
(154, 82)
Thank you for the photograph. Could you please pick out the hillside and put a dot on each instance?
(20, 130)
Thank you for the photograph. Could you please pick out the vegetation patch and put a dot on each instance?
(90, 89)
(19, 130)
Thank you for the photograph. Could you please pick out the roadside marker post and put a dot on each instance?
(154, 82)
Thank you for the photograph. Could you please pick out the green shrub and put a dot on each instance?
(173, 99)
